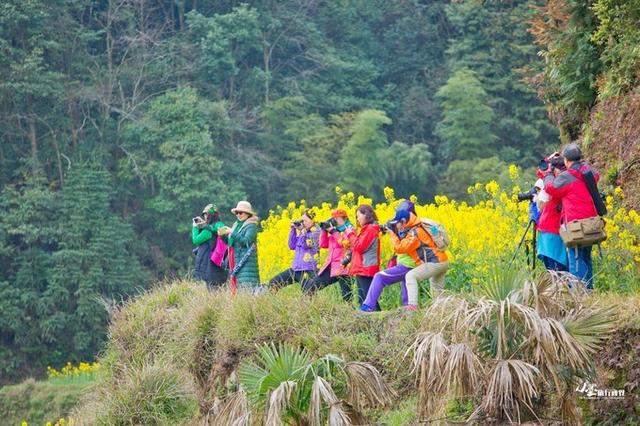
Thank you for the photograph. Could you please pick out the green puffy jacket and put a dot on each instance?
(243, 235)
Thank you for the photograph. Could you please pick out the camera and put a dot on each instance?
(389, 226)
(527, 196)
(543, 165)
(327, 224)
(346, 259)
(297, 223)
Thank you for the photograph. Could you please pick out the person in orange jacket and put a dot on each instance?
(365, 250)
(414, 246)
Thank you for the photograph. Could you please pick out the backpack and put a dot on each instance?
(437, 233)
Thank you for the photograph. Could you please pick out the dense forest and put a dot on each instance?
(120, 119)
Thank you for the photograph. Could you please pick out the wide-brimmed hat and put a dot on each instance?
(210, 208)
(244, 207)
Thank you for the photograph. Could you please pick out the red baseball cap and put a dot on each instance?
(339, 213)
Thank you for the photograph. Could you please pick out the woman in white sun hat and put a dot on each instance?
(243, 253)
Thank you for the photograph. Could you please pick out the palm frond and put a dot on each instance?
(462, 369)
(429, 357)
(511, 383)
(366, 386)
(589, 327)
(321, 392)
(234, 411)
(338, 416)
(279, 401)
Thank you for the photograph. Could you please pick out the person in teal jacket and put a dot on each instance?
(204, 236)
(242, 238)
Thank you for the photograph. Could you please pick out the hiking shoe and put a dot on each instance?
(410, 307)
(366, 308)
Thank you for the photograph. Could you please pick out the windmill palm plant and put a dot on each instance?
(284, 385)
(504, 345)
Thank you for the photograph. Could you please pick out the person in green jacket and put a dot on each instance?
(243, 255)
(204, 236)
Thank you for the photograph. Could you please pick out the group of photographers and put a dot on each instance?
(354, 252)
(565, 198)
(570, 214)
(224, 253)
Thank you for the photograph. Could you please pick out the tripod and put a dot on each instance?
(531, 261)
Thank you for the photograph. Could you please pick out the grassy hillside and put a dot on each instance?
(173, 353)
(39, 402)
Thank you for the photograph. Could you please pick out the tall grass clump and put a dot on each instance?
(203, 337)
(515, 347)
(149, 395)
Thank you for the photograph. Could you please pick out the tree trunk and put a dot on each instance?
(34, 141)
(266, 53)
(58, 159)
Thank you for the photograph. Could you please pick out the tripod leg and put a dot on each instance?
(524, 235)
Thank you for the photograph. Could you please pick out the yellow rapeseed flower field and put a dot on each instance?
(70, 370)
(483, 233)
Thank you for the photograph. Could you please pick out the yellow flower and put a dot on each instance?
(618, 192)
(492, 188)
(389, 194)
(514, 172)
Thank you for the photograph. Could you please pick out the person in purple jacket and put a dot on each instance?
(303, 239)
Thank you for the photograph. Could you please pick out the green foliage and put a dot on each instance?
(410, 169)
(361, 164)
(492, 39)
(150, 394)
(465, 128)
(619, 36)
(461, 174)
(65, 251)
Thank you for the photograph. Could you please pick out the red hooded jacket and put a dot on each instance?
(550, 217)
(365, 251)
(571, 190)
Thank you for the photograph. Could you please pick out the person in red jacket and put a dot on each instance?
(550, 247)
(365, 250)
(571, 189)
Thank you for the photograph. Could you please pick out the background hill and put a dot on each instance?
(121, 119)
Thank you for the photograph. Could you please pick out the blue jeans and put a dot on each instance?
(551, 264)
(581, 265)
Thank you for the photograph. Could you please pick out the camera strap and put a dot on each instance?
(592, 186)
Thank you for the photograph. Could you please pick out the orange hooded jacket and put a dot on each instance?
(416, 236)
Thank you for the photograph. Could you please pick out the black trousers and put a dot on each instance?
(363, 287)
(325, 279)
(289, 276)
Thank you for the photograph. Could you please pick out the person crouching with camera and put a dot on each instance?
(303, 239)
(550, 248)
(365, 250)
(204, 235)
(334, 237)
(414, 247)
